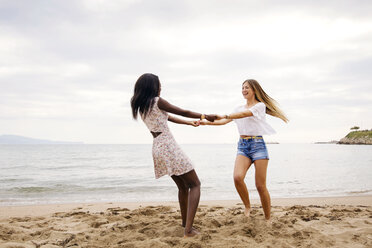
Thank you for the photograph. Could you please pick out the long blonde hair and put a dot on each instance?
(261, 96)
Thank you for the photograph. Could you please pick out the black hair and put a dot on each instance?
(146, 89)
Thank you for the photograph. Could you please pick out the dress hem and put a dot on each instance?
(174, 174)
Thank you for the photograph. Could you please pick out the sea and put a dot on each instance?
(84, 173)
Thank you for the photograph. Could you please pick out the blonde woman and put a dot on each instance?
(250, 119)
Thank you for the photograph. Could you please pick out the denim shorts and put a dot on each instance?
(253, 148)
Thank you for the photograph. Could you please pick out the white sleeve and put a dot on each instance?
(259, 110)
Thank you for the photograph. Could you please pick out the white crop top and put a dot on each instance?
(254, 125)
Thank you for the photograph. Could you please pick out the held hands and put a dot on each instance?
(211, 118)
(194, 123)
(206, 119)
(197, 123)
(203, 123)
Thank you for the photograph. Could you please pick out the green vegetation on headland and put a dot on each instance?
(362, 137)
(359, 134)
(355, 137)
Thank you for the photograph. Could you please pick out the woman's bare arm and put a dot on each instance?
(216, 123)
(166, 106)
(182, 121)
(238, 115)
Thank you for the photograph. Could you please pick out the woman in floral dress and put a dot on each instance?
(168, 157)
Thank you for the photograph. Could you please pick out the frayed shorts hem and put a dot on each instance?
(252, 159)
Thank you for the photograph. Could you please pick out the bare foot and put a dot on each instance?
(247, 212)
(268, 223)
(192, 233)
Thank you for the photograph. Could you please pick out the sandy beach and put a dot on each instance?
(296, 222)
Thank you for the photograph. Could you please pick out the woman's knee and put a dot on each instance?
(183, 188)
(238, 178)
(191, 180)
(192, 183)
(180, 183)
(195, 183)
(261, 187)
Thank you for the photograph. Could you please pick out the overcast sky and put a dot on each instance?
(68, 68)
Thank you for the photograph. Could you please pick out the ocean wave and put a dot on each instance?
(81, 189)
(30, 189)
(359, 192)
(289, 182)
(11, 180)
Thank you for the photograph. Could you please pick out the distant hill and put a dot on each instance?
(363, 137)
(15, 139)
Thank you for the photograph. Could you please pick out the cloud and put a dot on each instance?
(76, 62)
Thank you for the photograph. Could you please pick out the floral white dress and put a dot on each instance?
(168, 157)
